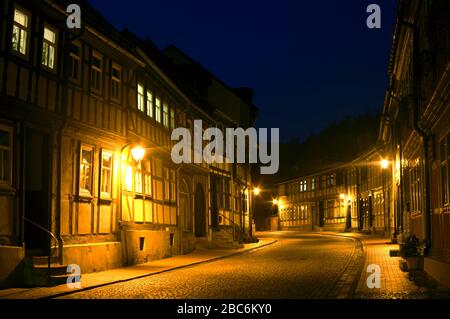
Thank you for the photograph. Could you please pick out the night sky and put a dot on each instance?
(309, 62)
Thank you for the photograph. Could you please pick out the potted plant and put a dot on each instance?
(412, 251)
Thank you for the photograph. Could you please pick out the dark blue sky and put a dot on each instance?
(309, 62)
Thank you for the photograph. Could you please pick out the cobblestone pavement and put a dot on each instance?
(297, 266)
(395, 284)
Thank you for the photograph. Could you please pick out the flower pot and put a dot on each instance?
(413, 263)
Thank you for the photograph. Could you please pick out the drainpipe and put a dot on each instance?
(421, 132)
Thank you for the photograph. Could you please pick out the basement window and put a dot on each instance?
(141, 243)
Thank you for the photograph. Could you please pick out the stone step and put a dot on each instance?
(55, 269)
(43, 260)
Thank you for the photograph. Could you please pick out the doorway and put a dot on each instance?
(37, 190)
(200, 212)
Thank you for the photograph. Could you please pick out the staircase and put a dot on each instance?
(38, 272)
(224, 238)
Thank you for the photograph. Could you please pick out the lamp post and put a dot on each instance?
(255, 192)
(384, 164)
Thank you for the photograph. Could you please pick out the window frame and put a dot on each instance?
(149, 103)
(158, 108)
(27, 29)
(79, 59)
(165, 115)
(50, 44)
(102, 194)
(10, 148)
(99, 70)
(140, 101)
(85, 192)
(147, 179)
(116, 80)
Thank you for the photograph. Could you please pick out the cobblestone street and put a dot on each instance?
(297, 266)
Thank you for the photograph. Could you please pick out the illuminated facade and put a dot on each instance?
(415, 128)
(85, 169)
(345, 197)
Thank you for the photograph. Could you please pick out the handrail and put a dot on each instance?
(48, 232)
(240, 233)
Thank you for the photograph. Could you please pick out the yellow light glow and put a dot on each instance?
(138, 153)
(256, 191)
(384, 163)
(275, 201)
(349, 198)
(341, 196)
(303, 207)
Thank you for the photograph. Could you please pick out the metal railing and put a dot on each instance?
(49, 248)
(238, 231)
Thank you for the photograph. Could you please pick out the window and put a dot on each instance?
(303, 186)
(147, 178)
(172, 118)
(138, 178)
(85, 178)
(158, 110)
(49, 48)
(166, 115)
(5, 155)
(96, 72)
(74, 62)
(140, 97)
(313, 184)
(116, 79)
(106, 174)
(173, 187)
(20, 32)
(415, 185)
(166, 184)
(444, 151)
(149, 103)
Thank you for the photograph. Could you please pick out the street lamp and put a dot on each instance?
(138, 153)
(256, 191)
(384, 163)
(275, 201)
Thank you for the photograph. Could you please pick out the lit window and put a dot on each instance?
(147, 178)
(116, 78)
(166, 184)
(158, 110)
(172, 118)
(140, 97)
(106, 174)
(166, 115)
(96, 72)
(138, 178)
(128, 176)
(172, 185)
(85, 178)
(149, 103)
(5, 155)
(74, 61)
(49, 48)
(313, 184)
(20, 32)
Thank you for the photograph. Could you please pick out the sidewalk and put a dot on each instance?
(98, 279)
(395, 283)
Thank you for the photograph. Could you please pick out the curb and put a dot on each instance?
(355, 282)
(56, 295)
